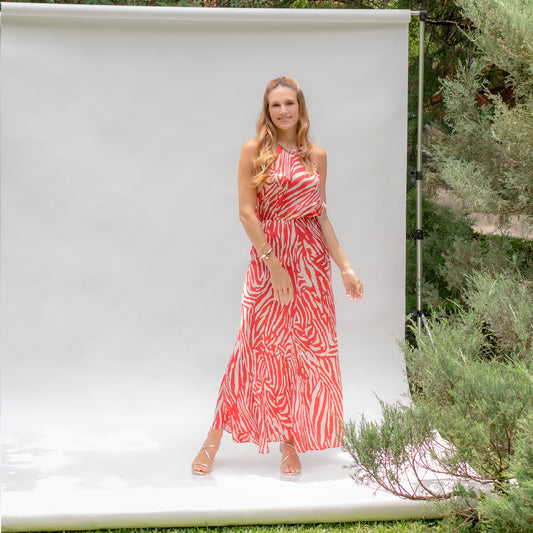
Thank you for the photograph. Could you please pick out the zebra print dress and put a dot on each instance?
(283, 378)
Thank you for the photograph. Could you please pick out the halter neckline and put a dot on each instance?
(290, 150)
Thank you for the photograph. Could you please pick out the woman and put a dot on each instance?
(283, 382)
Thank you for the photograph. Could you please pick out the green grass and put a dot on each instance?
(397, 526)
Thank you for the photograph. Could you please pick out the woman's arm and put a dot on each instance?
(352, 283)
(280, 279)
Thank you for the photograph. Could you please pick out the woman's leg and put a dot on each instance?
(203, 462)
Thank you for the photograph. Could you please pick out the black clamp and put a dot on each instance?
(416, 175)
(422, 13)
(420, 234)
(417, 313)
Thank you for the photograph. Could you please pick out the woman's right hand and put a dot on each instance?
(281, 283)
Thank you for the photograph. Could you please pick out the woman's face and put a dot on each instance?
(283, 108)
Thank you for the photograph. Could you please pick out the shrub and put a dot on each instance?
(443, 228)
(472, 390)
(512, 510)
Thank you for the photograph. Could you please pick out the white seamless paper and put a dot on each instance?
(123, 258)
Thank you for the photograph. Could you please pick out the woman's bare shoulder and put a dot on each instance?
(318, 154)
(251, 146)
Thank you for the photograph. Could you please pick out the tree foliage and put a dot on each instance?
(512, 513)
(486, 156)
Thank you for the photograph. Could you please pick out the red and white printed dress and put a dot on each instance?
(283, 378)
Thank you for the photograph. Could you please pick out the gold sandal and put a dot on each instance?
(211, 459)
(284, 459)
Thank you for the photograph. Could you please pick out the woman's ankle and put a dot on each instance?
(214, 436)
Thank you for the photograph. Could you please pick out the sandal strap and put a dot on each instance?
(293, 452)
(204, 449)
(200, 464)
(207, 467)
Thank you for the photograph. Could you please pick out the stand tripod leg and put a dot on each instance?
(422, 321)
(426, 327)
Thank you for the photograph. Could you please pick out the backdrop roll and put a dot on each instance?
(123, 257)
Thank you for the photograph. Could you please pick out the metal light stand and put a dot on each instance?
(419, 313)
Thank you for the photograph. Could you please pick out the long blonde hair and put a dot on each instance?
(267, 133)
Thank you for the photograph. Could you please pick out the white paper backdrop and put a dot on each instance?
(122, 254)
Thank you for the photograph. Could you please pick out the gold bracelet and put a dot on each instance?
(266, 255)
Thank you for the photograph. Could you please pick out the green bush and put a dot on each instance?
(452, 252)
(512, 510)
(443, 228)
(503, 303)
(494, 254)
(473, 390)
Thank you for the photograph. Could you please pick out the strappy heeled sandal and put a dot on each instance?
(209, 467)
(284, 459)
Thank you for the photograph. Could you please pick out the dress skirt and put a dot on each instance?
(283, 378)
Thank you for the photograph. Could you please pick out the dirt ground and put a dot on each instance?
(483, 223)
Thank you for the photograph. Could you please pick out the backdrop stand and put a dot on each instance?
(419, 312)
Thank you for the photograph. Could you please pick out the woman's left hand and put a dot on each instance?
(352, 284)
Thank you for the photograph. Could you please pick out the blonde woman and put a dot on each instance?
(283, 383)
